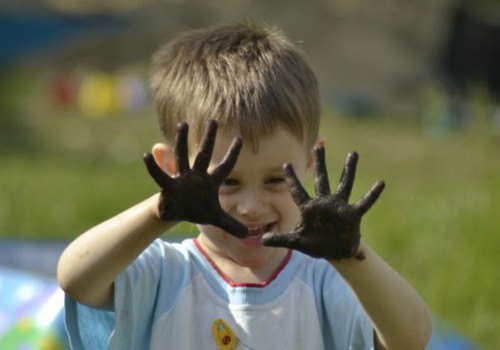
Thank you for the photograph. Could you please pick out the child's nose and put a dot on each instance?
(252, 203)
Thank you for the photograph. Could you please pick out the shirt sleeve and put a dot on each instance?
(146, 291)
(345, 324)
(136, 293)
(129, 325)
(87, 328)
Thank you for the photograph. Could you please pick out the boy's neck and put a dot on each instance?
(238, 271)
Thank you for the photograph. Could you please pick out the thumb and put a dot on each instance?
(279, 239)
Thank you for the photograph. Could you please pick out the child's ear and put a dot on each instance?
(164, 157)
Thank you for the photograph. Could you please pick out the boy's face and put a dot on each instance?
(256, 193)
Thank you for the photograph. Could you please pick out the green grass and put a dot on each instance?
(436, 221)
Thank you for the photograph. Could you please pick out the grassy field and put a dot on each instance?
(436, 222)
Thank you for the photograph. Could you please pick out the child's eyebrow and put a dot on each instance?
(273, 170)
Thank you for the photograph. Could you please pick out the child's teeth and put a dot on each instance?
(256, 230)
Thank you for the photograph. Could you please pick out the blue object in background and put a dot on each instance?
(29, 31)
(31, 312)
(31, 302)
(451, 339)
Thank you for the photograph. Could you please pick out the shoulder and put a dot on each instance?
(311, 269)
(321, 278)
(334, 300)
(160, 251)
(160, 260)
(162, 269)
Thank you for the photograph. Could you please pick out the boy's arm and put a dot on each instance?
(399, 315)
(90, 264)
(330, 228)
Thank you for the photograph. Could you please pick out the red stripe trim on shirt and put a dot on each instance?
(240, 284)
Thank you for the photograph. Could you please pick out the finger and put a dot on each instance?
(365, 203)
(299, 194)
(181, 148)
(321, 183)
(155, 171)
(289, 240)
(229, 224)
(346, 182)
(227, 164)
(206, 148)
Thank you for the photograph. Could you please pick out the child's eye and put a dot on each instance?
(230, 182)
(275, 180)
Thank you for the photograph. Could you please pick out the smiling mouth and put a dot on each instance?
(257, 231)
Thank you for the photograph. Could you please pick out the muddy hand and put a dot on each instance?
(193, 193)
(329, 226)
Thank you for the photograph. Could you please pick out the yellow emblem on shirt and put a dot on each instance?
(223, 335)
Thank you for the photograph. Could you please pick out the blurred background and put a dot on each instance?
(413, 86)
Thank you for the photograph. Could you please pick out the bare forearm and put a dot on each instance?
(399, 315)
(90, 264)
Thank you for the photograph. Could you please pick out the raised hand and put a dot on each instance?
(329, 226)
(193, 194)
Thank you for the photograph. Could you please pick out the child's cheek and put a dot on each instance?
(289, 212)
(225, 200)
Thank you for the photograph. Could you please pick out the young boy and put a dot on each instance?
(271, 267)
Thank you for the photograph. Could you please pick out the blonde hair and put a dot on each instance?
(246, 76)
